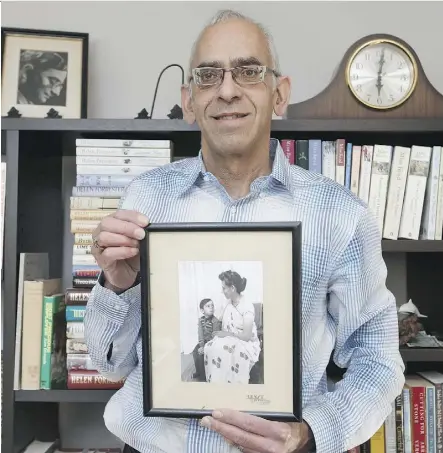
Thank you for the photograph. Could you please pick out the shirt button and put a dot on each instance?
(117, 307)
(262, 195)
(206, 178)
(233, 209)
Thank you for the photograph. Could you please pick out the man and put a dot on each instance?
(241, 175)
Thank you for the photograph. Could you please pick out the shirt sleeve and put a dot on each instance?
(112, 319)
(363, 316)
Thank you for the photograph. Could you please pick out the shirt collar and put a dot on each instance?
(280, 173)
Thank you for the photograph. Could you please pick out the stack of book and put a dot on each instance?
(105, 167)
(402, 185)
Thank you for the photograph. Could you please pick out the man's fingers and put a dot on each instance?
(118, 253)
(132, 217)
(257, 425)
(247, 440)
(114, 225)
(108, 239)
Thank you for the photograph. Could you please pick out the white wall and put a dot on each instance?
(128, 53)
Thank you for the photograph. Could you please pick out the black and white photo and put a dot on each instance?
(42, 78)
(221, 321)
(44, 73)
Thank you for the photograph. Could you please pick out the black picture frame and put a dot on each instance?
(294, 228)
(16, 110)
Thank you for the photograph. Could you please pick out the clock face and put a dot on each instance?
(382, 74)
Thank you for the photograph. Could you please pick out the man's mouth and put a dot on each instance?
(230, 116)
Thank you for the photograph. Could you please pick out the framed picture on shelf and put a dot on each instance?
(221, 319)
(44, 73)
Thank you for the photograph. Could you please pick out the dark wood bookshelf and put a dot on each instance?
(64, 396)
(34, 150)
(408, 125)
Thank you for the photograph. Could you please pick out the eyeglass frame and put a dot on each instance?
(264, 70)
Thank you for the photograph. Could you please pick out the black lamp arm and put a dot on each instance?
(158, 81)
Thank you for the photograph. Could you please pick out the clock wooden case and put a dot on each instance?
(380, 76)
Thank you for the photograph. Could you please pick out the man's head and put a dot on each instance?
(232, 40)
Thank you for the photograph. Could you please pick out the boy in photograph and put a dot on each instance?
(207, 324)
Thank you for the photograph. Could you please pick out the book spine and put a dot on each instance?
(83, 238)
(289, 150)
(116, 143)
(439, 417)
(79, 362)
(110, 181)
(396, 192)
(122, 161)
(377, 441)
(76, 296)
(407, 421)
(85, 271)
(90, 214)
(75, 313)
(84, 226)
(90, 379)
(328, 158)
(430, 204)
(314, 146)
(430, 419)
(399, 423)
(46, 348)
(113, 169)
(390, 432)
(367, 153)
(121, 151)
(81, 249)
(92, 203)
(348, 165)
(355, 168)
(98, 191)
(302, 154)
(418, 398)
(76, 346)
(439, 215)
(84, 282)
(415, 192)
(75, 330)
(340, 161)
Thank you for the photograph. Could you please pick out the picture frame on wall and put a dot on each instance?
(221, 319)
(44, 73)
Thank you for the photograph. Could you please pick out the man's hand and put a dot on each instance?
(251, 434)
(116, 247)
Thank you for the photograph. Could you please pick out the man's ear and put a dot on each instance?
(282, 95)
(188, 112)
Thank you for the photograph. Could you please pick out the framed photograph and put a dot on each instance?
(44, 73)
(221, 319)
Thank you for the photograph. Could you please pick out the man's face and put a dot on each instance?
(229, 44)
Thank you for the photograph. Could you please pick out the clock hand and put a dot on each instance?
(379, 85)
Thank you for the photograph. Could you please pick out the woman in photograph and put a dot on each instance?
(234, 350)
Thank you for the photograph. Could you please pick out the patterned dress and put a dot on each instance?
(229, 359)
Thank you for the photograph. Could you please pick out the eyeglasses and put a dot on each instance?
(244, 75)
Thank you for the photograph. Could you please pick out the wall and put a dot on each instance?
(127, 54)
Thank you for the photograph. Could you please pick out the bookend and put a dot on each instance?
(53, 114)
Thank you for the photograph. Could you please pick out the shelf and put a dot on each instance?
(102, 396)
(422, 354)
(64, 396)
(408, 125)
(405, 245)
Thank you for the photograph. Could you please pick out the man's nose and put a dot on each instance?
(229, 89)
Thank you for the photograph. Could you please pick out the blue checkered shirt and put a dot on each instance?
(346, 307)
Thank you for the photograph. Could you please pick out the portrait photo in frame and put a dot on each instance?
(221, 319)
(44, 73)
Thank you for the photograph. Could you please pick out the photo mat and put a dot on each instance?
(183, 266)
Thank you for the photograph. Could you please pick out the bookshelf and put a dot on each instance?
(35, 149)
